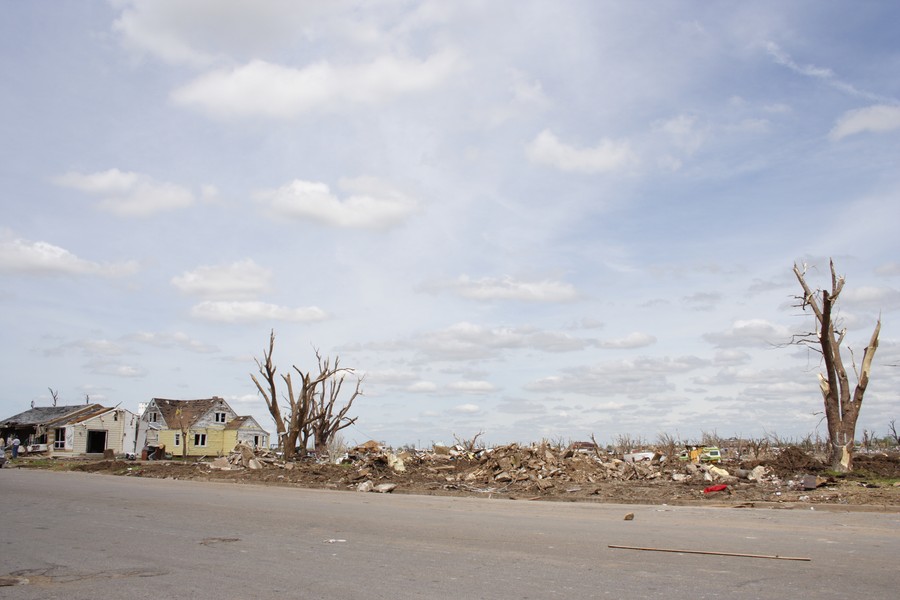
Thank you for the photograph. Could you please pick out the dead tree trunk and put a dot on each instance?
(311, 408)
(270, 395)
(841, 407)
(324, 394)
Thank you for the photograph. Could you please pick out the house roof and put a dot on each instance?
(49, 416)
(190, 410)
(244, 422)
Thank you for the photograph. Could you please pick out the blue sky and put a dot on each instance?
(536, 220)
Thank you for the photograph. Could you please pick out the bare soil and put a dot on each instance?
(553, 476)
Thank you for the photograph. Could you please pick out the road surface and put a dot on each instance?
(78, 535)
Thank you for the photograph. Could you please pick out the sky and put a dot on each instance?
(535, 220)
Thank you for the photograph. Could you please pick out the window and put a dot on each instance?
(220, 417)
(59, 441)
(177, 439)
(153, 417)
(199, 439)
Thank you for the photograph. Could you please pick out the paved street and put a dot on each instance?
(78, 535)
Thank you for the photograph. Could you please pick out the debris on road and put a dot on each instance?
(709, 552)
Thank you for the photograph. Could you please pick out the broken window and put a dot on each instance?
(177, 439)
(153, 417)
(199, 439)
(220, 417)
(59, 441)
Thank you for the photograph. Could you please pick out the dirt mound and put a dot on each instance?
(789, 462)
(885, 466)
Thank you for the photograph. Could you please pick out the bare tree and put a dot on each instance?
(841, 407)
(469, 445)
(758, 446)
(325, 392)
(293, 429)
(894, 434)
(270, 393)
(310, 408)
(54, 394)
(183, 427)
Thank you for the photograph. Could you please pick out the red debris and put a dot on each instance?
(715, 488)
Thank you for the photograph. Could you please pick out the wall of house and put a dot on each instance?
(215, 442)
(119, 427)
(233, 437)
(209, 419)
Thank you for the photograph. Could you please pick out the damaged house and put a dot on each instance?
(203, 427)
(73, 430)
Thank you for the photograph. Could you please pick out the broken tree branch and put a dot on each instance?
(774, 557)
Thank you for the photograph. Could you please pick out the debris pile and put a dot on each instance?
(245, 457)
(537, 468)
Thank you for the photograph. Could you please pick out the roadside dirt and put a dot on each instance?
(541, 473)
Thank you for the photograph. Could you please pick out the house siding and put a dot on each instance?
(116, 424)
(215, 441)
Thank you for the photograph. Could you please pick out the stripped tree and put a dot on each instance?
(325, 392)
(310, 408)
(841, 406)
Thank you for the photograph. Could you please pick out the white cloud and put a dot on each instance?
(823, 74)
(467, 408)
(42, 258)
(638, 378)
(874, 119)
(751, 332)
(632, 340)
(128, 194)
(90, 347)
(147, 30)
(467, 341)
(888, 269)
(260, 88)
(422, 387)
(472, 387)
(731, 357)
(683, 133)
(877, 298)
(607, 156)
(176, 339)
(249, 312)
(101, 367)
(371, 203)
(199, 32)
(507, 288)
(239, 280)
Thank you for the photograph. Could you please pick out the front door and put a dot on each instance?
(96, 442)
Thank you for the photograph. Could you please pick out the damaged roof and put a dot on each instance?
(190, 410)
(244, 422)
(49, 416)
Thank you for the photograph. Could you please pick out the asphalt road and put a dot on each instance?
(74, 535)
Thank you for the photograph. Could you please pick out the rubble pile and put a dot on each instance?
(245, 457)
(537, 468)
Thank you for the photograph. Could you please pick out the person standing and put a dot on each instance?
(15, 446)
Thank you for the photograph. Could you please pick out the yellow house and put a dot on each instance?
(203, 427)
